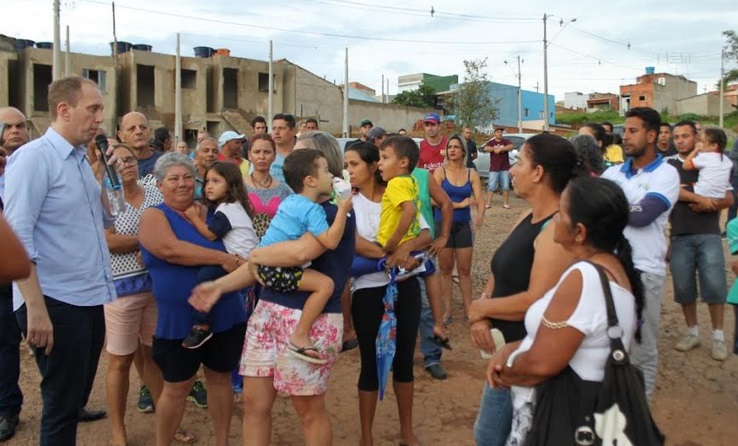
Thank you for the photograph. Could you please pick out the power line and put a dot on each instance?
(425, 12)
(314, 33)
(592, 57)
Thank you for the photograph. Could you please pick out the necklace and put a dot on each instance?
(262, 184)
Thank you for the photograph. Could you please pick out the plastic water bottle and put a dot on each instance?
(341, 188)
(115, 197)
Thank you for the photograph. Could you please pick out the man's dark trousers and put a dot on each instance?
(11, 398)
(69, 371)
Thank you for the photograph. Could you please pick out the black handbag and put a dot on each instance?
(614, 412)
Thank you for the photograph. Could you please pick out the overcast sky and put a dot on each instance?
(396, 38)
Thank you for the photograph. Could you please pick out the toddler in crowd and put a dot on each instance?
(714, 167)
(306, 173)
(225, 195)
(399, 220)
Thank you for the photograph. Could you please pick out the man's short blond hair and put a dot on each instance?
(66, 89)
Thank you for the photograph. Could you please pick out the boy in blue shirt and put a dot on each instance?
(306, 173)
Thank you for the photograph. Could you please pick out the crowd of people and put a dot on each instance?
(254, 261)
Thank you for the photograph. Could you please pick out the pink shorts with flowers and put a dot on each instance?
(265, 349)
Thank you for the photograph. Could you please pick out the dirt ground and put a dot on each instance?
(693, 402)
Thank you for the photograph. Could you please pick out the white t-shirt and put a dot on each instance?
(657, 179)
(714, 177)
(241, 239)
(367, 225)
(590, 318)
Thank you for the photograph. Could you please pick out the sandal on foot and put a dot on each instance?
(184, 437)
(506, 206)
(301, 353)
(349, 345)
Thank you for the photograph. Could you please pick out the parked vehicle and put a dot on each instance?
(517, 140)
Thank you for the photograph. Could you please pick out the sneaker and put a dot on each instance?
(199, 335)
(719, 350)
(198, 395)
(8, 424)
(145, 402)
(436, 371)
(687, 343)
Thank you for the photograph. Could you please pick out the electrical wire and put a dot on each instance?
(314, 33)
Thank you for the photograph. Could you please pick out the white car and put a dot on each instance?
(517, 140)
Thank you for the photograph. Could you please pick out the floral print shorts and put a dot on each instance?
(265, 349)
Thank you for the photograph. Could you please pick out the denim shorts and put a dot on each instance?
(698, 255)
(498, 178)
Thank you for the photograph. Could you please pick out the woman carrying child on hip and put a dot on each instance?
(306, 173)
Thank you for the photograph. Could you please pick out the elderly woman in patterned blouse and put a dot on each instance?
(131, 319)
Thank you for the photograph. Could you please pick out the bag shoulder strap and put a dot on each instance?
(612, 317)
(614, 331)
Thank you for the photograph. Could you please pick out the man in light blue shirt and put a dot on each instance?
(53, 202)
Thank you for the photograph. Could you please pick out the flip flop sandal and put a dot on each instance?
(184, 437)
(300, 353)
(349, 345)
(442, 342)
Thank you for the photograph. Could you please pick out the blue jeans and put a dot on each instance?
(733, 210)
(495, 417)
(645, 355)
(698, 255)
(68, 372)
(11, 397)
(431, 351)
(498, 178)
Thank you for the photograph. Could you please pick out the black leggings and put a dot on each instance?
(367, 310)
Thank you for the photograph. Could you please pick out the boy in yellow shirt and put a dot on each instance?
(399, 220)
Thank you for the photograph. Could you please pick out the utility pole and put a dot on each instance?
(67, 58)
(178, 95)
(56, 55)
(383, 89)
(271, 84)
(115, 43)
(545, 76)
(520, 99)
(722, 86)
(345, 98)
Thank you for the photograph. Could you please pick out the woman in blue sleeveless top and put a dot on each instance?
(464, 188)
(173, 251)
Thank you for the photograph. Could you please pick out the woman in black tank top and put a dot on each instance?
(526, 265)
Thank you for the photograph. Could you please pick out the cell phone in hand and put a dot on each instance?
(2, 131)
(498, 338)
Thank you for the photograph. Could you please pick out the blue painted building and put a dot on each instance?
(506, 98)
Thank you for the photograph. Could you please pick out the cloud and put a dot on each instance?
(590, 54)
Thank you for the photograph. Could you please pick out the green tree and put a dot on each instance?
(471, 102)
(731, 54)
(424, 96)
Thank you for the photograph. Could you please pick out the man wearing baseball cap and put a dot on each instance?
(376, 135)
(364, 127)
(230, 144)
(433, 147)
(432, 154)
